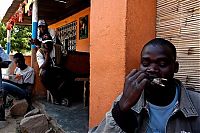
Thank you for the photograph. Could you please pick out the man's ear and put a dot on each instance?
(176, 67)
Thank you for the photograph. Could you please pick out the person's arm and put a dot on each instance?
(43, 58)
(36, 42)
(29, 76)
(127, 121)
(16, 77)
(135, 83)
(117, 121)
(28, 79)
(121, 118)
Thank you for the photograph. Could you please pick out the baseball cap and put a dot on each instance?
(41, 22)
(47, 41)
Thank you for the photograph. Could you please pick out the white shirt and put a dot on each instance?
(41, 59)
(27, 75)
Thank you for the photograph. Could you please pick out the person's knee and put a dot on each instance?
(43, 73)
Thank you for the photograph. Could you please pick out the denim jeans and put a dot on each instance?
(14, 90)
(9, 88)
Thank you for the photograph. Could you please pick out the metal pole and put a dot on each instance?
(34, 31)
(8, 41)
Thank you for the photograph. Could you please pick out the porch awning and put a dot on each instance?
(50, 10)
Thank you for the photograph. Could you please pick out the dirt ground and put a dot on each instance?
(12, 124)
(72, 119)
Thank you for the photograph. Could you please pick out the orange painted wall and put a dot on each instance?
(39, 89)
(83, 44)
(141, 26)
(118, 32)
(107, 55)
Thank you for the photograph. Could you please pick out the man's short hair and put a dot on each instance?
(163, 43)
(19, 56)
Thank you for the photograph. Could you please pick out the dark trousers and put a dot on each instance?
(2, 106)
(58, 81)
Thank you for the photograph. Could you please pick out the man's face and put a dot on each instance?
(158, 62)
(48, 46)
(19, 62)
(42, 28)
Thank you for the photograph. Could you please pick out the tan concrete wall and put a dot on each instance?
(118, 32)
(83, 44)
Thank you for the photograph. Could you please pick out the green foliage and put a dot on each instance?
(20, 36)
(3, 35)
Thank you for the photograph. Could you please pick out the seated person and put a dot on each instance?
(3, 64)
(20, 84)
(153, 101)
(52, 77)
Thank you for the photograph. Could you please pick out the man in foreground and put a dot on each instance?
(152, 100)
